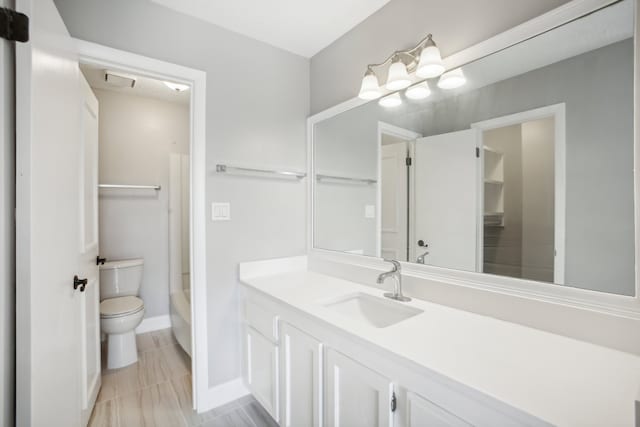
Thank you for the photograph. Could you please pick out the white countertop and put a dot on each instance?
(561, 380)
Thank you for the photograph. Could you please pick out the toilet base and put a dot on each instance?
(121, 350)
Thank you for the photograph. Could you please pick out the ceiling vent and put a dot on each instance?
(119, 80)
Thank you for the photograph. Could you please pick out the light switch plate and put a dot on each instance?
(220, 211)
(369, 211)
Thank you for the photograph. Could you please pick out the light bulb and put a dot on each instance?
(419, 91)
(392, 100)
(398, 77)
(430, 64)
(452, 79)
(178, 87)
(370, 88)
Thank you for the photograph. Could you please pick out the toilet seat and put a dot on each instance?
(120, 307)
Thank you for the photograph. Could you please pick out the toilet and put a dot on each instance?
(121, 310)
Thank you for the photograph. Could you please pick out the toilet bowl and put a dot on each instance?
(121, 311)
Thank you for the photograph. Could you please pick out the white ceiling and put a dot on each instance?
(146, 87)
(303, 27)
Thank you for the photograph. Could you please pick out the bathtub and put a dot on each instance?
(181, 318)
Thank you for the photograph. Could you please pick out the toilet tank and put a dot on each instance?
(120, 278)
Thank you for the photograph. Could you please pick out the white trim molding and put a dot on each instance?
(156, 323)
(614, 307)
(222, 394)
(104, 56)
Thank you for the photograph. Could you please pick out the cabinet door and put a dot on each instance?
(356, 395)
(262, 370)
(421, 412)
(301, 362)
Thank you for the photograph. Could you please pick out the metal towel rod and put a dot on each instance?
(346, 178)
(130, 187)
(231, 169)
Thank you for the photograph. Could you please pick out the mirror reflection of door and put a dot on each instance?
(444, 191)
(519, 200)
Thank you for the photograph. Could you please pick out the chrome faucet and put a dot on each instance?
(420, 259)
(397, 284)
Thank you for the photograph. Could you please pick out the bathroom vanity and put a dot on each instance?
(320, 350)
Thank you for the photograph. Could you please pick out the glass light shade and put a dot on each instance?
(398, 77)
(452, 79)
(430, 64)
(419, 91)
(178, 87)
(392, 100)
(370, 88)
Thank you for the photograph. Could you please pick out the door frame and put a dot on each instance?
(557, 111)
(398, 132)
(95, 54)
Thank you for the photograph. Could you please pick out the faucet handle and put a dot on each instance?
(396, 264)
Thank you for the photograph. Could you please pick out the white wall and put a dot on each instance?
(337, 70)
(7, 230)
(257, 104)
(137, 135)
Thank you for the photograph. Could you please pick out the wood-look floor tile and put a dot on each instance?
(182, 386)
(150, 369)
(108, 389)
(258, 415)
(236, 418)
(145, 342)
(163, 337)
(176, 360)
(152, 406)
(105, 414)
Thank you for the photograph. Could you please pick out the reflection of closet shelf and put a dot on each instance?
(494, 219)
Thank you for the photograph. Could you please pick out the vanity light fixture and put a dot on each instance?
(452, 79)
(370, 88)
(178, 87)
(424, 59)
(418, 91)
(390, 101)
(398, 77)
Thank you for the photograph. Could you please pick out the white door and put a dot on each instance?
(262, 370)
(445, 197)
(88, 268)
(356, 395)
(393, 189)
(421, 413)
(48, 142)
(301, 378)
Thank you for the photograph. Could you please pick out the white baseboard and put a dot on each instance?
(221, 394)
(156, 323)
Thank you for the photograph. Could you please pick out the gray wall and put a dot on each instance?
(7, 230)
(337, 70)
(257, 103)
(137, 135)
(597, 88)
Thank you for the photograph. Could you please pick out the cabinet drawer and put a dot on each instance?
(262, 320)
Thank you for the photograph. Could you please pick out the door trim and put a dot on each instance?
(95, 54)
(557, 111)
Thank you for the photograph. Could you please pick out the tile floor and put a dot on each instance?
(156, 391)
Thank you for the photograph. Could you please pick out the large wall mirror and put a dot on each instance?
(526, 171)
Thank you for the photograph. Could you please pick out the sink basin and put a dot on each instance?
(376, 312)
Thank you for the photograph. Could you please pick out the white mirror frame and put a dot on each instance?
(605, 303)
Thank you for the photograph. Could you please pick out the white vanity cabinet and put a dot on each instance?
(307, 374)
(261, 357)
(356, 396)
(300, 378)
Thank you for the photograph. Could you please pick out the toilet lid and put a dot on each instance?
(120, 306)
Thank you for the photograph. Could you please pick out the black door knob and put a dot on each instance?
(81, 283)
(100, 261)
